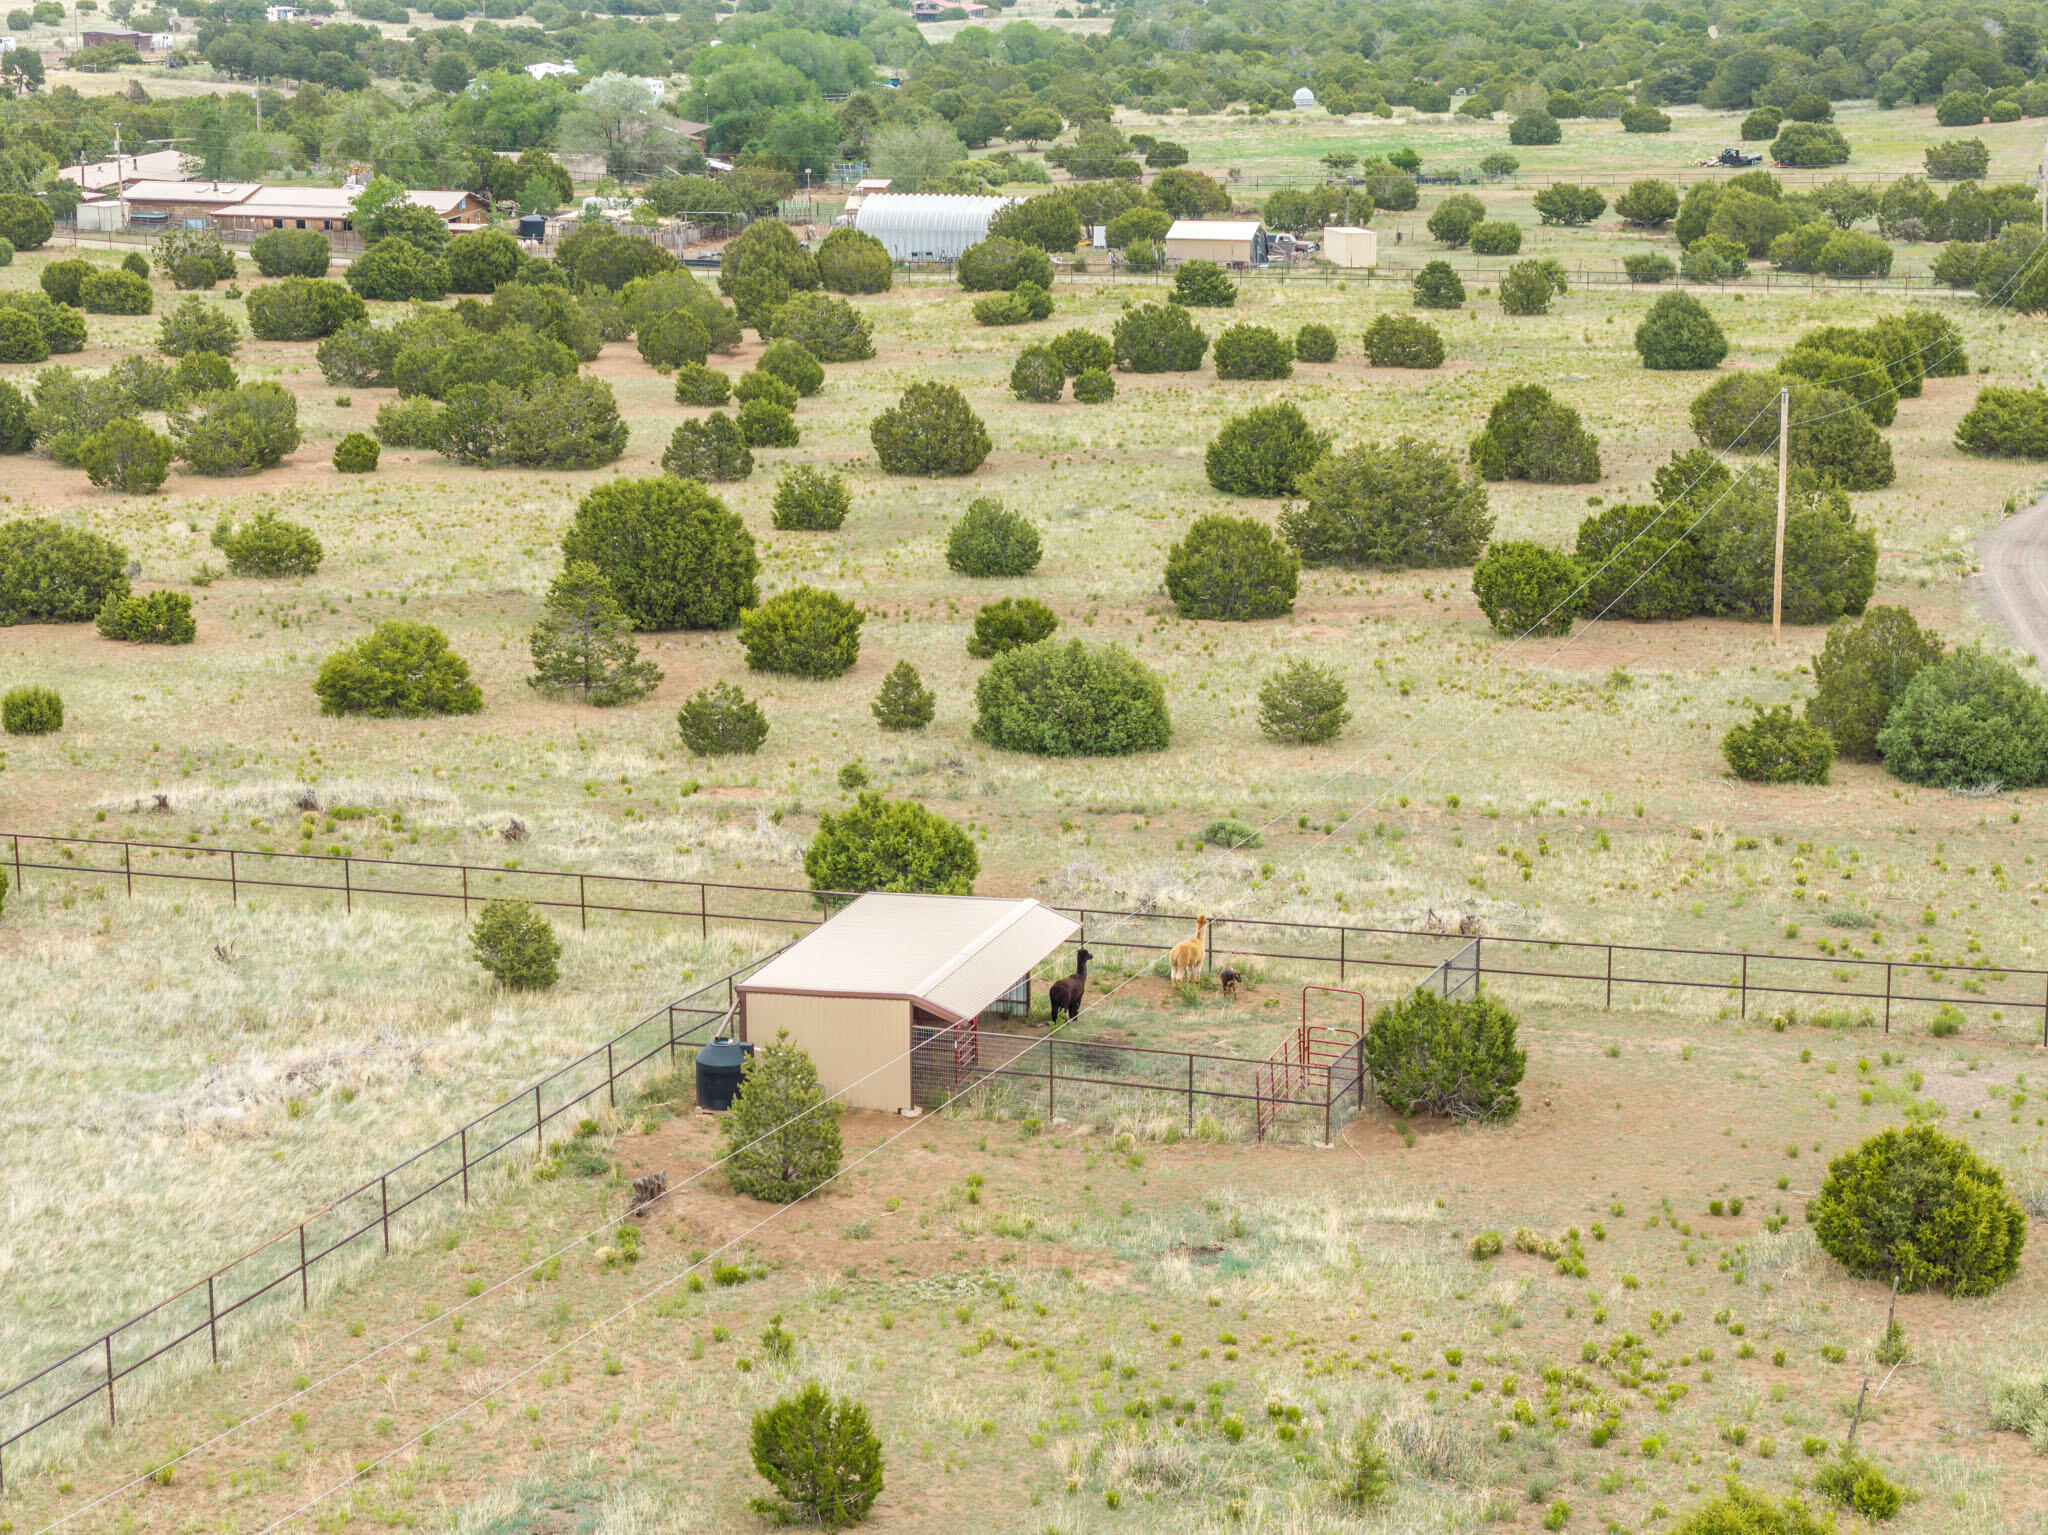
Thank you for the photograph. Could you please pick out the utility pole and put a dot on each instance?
(1778, 554)
(120, 181)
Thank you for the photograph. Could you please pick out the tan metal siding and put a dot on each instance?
(1219, 251)
(860, 1045)
(1348, 247)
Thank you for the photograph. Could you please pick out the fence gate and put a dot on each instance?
(1456, 975)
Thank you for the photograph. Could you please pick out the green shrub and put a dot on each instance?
(1082, 351)
(21, 339)
(884, 844)
(1253, 351)
(393, 271)
(930, 430)
(1777, 746)
(1957, 160)
(1648, 266)
(51, 574)
(811, 500)
(1022, 304)
(1714, 258)
(1315, 343)
(1009, 624)
(699, 385)
(852, 262)
(1534, 128)
(1648, 204)
(1438, 287)
(583, 642)
(1264, 452)
(127, 456)
(1231, 568)
(1860, 672)
(1367, 1473)
(1229, 832)
(25, 222)
(158, 618)
(1856, 1484)
(1038, 376)
(1203, 285)
(1527, 287)
(1637, 563)
(669, 340)
(782, 1134)
(1452, 222)
(6, 252)
(517, 945)
(147, 383)
(16, 435)
(1742, 1511)
(1403, 341)
(356, 453)
(414, 423)
(1495, 237)
(1530, 436)
(1158, 338)
(2019, 1405)
(1071, 700)
(792, 363)
(1527, 588)
(399, 668)
(674, 556)
(292, 253)
(1679, 334)
(556, 423)
(193, 257)
(31, 711)
(904, 702)
(62, 326)
(1809, 145)
(480, 261)
(803, 632)
(194, 325)
(1301, 704)
(1966, 720)
(1400, 505)
(114, 290)
(765, 424)
(1830, 562)
(359, 356)
(266, 545)
(61, 279)
(250, 428)
(200, 373)
(306, 308)
(721, 721)
(989, 541)
(1456, 1059)
(1094, 387)
(1000, 265)
(1915, 1205)
(1863, 379)
(762, 266)
(2006, 423)
(830, 329)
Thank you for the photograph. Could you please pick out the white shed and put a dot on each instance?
(1227, 242)
(1349, 245)
(920, 226)
(891, 972)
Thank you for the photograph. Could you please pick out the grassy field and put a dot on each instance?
(151, 1055)
(1099, 1324)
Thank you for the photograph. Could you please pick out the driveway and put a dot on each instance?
(2015, 574)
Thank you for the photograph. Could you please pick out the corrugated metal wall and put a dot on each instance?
(857, 1043)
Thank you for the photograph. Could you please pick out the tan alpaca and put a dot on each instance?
(1186, 958)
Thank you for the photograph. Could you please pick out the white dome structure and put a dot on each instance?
(1304, 98)
(918, 226)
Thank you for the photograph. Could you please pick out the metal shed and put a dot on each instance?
(891, 971)
(1349, 245)
(1227, 242)
(917, 226)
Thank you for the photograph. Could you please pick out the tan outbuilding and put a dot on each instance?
(1227, 242)
(893, 979)
(1348, 245)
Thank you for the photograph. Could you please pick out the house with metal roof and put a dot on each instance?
(927, 226)
(1227, 242)
(893, 974)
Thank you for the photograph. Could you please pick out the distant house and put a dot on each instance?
(1228, 242)
(281, 13)
(548, 68)
(331, 209)
(873, 186)
(927, 226)
(105, 175)
(145, 43)
(928, 10)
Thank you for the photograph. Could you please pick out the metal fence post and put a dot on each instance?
(1343, 935)
(703, 912)
(305, 1286)
(539, 1145)
(611, 1089)
(1744, 1013)
(465, 892)
(1478, 968)
(384, 1211)
(109, 1341)
(671, 1036)
(1610, 976)
(465, 1164)
(17, 865)
(234, 881)
(582, 903)
(1887, 996)
(128, 870)
(1191, 1092)
(1051, 1046)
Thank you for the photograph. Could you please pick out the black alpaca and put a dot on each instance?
(1067, 991)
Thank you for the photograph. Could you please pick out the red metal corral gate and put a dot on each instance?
(1309, 1063)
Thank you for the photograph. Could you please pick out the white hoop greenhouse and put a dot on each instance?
(915, 226)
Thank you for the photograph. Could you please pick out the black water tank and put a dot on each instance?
(718, 1073)
(533, 226)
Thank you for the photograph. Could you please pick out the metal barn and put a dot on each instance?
(916, 226)
(1227, 242)
(893, 971)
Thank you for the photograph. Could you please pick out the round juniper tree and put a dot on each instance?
(721, 721)
(885, 844)
(803, 632)
(401, 669)
(1777, 746)
(1302, 703)
(1920, 1207)
(584, 642)
(821, 1456)
(1438, 287)
(1158, 338)
(517, 945)
(930, 430)
(782, 1133)
(810, 499)
(1679, 334)
(1038, 376)
(1071, 700)
(1860, 672)
(904, 703)
(1232, 568)
(989, 540)
(1253, 351)
(1399, 505)
(1527, 588)
(671, 552)
(1264, 452)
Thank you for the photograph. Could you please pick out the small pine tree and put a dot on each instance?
(904, 703)
(517, 945)
(1367, 1475)
(782, 1136)
(821, 1454)
(584, 641)
(721, 721)
(1302, 703)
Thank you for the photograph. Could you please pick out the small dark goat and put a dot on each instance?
(1229, 979)
(1067, 991)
